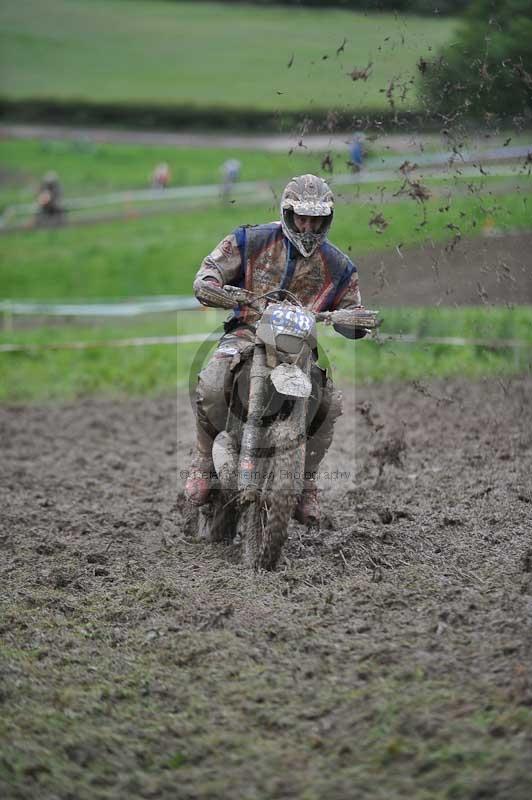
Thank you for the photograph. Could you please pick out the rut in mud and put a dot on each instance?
(388, 656)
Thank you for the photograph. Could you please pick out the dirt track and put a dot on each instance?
(270, 143)
(389, 656)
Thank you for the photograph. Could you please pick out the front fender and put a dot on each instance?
(289, 379)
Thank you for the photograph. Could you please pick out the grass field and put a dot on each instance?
(160, 255)
(105, 50)
(88, 169)
(51, 375)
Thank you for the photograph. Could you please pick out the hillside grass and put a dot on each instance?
(151, 51)
(60, 375)
(160, 255)
(87, 168)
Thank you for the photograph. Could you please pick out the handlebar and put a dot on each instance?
(354, 317)
(245, 297)
(232, 296)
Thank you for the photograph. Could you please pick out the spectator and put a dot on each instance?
(356, 154)
(161, 176)
(230, 170)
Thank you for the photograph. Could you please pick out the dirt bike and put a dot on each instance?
(259, 458)
(49, 212)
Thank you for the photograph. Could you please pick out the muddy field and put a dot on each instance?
(389, 656)
(482, 270)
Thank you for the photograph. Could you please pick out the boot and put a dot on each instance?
(201, 471)
(308, 508)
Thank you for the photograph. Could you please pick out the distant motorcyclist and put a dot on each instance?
(49, 199)
(292, 254)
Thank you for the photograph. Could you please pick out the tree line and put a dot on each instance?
(487, 68)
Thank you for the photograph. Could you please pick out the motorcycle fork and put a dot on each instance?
(249, 477)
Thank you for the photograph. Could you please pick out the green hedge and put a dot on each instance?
(190, 118)
(442, 8)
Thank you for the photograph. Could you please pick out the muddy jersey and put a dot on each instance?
(260, 258)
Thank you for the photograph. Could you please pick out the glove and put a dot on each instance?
(209, 292)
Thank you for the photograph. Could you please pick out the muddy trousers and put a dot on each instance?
(214, 388)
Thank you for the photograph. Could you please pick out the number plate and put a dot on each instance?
(295, 321)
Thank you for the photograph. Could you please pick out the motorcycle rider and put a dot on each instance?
(49, 205)
(292, 254)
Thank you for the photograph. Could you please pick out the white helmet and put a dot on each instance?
(308, 196)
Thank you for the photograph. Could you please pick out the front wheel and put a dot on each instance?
(266, 514)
